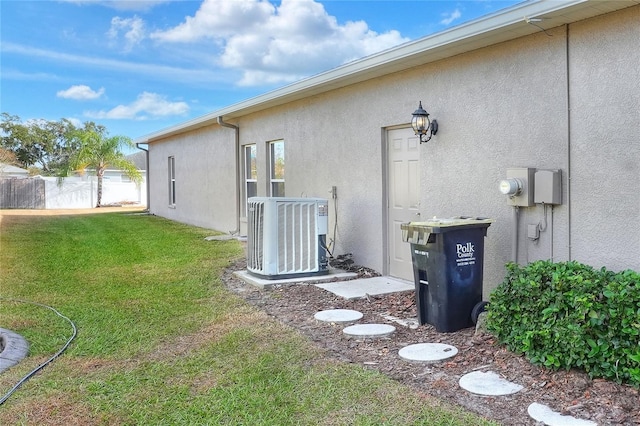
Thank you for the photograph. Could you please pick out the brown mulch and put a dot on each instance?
(568, 392)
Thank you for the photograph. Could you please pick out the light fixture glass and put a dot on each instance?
(421, 124)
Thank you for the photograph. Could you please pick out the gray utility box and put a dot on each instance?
(548, 187)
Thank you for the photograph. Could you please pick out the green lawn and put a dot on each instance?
(162, 342)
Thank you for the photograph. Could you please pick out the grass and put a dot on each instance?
(162, 342)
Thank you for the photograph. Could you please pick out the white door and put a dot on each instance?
(404, 197)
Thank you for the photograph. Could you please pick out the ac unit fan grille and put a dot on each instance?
(297, 238)
(255, 244)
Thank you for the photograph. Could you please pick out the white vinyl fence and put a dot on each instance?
(77, 192)
(82, 192)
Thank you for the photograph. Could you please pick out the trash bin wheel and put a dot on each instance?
(477, 310)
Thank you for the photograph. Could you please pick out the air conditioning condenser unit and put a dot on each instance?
(286, 237)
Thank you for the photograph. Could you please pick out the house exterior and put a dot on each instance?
(545, 85)
(9, 171)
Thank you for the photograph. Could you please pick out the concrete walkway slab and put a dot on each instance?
(488, 383)
(544, 414)
(333, 275)
(357, 289)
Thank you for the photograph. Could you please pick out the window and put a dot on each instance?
(172, 182)
(250, 174)
(276, 168)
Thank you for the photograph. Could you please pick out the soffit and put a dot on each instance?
(517, 21)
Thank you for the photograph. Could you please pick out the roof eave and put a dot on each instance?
(505, 25)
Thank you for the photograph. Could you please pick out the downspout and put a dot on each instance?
(148, 173)
(238, 177)
(568, 146)
(515, 234)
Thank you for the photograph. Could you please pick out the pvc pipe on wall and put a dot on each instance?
(515, 234)
(148, 174)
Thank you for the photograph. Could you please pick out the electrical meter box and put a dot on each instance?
(523, 176)
(548, 187)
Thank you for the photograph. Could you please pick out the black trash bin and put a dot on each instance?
(447, 257)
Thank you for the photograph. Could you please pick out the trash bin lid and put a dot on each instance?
(418, 232)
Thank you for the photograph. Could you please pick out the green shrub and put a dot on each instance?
(565, 315)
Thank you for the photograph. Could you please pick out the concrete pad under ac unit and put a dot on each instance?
(334, 274)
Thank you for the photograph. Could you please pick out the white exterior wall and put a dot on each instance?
(205, 178)
(489, 120)
(499, 107)
(605, 133)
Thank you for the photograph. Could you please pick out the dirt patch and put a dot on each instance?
(569, 392)
(57, 410)
(7, 213)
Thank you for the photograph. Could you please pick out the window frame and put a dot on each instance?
(172, 181)
(250, 173)
(272, 159)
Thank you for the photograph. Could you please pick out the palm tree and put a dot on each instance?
(99, 152)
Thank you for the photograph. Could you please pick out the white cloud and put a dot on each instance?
(270, 44)
(141, 5)
(12, 74)
(146, 106)
(148, 70)
(219, 18)
(76, 122)
(133, 28)
(81, 93)
(448, 18)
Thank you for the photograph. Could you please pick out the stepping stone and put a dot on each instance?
(363, 331)
(488, 383)
(427, 352)
(411, 323)
(544, 414)
(338, 315)
(15, 349)
(219, 238)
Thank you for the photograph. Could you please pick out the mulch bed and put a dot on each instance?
(569, 392)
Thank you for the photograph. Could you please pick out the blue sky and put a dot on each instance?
(141, 66)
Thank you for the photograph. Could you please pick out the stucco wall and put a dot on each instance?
(205, 178)
(500, 107)
(516, 104)
(324, 150)
(504, 106)
(605, 134)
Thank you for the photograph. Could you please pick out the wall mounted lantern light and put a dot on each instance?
(422, 125)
